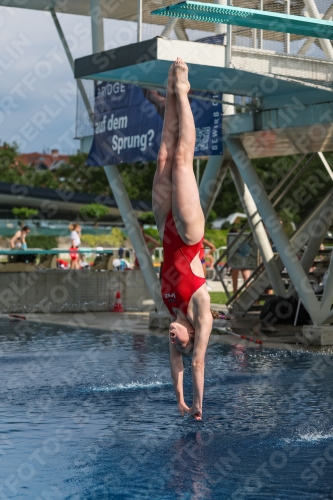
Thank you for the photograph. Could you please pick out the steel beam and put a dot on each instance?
(326, 165)
(134, 233)
(211, 182)
(275, 229)
(170, 25)
(258, 231)
(310, 41)
(81, 88)
(298, 240)
(318, 231)
(325, 44)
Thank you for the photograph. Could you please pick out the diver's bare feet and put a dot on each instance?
(171, 79)
(182, 85)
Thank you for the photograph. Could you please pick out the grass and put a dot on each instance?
(218, 297)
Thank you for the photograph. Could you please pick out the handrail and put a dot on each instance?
(54, 251)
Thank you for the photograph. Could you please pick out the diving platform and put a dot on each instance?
(147, 63)
(294, 113)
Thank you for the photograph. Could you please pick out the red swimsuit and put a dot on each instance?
(178, 280)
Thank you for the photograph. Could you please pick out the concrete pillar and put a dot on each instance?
(275, 229)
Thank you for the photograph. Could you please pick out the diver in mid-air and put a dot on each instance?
(181, 222)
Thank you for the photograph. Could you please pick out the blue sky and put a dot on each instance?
(35, 73)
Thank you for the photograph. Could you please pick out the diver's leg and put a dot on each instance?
(162, 186)
(186, 206)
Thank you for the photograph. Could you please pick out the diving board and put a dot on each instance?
(249, 18)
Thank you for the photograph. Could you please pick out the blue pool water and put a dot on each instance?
(92, 415)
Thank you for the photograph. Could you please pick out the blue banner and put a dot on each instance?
(129, 120)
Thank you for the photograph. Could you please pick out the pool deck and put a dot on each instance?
(138, 323)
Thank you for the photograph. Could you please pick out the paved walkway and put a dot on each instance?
(138, 322)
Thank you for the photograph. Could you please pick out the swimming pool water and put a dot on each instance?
(92, 415)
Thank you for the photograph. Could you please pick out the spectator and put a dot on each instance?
(150, 242)
(75, 238)
(209, 255)
(18, 240)
(235, 272)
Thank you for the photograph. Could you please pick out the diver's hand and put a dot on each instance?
(183, 408)
(195, 413)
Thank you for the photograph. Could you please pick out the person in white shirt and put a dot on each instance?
(75, 243)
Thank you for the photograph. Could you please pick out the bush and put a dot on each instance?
(44, 242)
(217, 236)
(211, 217)
(148, 218)
(115, 239)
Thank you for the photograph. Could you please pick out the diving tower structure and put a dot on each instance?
(286, 99)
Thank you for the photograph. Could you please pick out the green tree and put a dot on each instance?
(94, 212)
(24, 213)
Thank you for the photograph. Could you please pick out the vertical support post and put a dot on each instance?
(254, 38)
(133, 230)
(139, 21)
(261, 33)
(258, 232)
(275, 229)
(287, 35)
(169, 26)
(97, 27)
(215, 173)
(197, 173)
(229, 42)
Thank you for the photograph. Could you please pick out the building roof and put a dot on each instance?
(51, 161)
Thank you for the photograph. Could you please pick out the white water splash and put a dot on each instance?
(312, 437)
(132, 386)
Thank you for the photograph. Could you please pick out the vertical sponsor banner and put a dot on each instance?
(129, 121)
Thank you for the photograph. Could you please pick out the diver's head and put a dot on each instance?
(182, 335)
